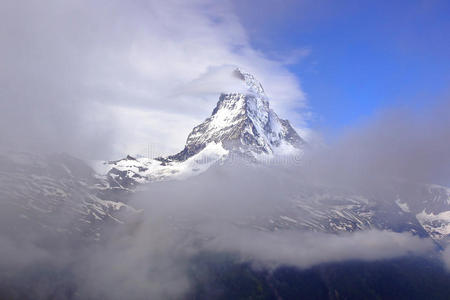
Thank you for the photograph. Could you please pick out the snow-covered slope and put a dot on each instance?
(241, 124)
(130, 171)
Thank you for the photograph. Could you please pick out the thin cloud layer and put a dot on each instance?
(308, 249)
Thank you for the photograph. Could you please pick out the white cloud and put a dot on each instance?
(82, 60)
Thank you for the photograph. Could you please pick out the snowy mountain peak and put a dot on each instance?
(244, 124)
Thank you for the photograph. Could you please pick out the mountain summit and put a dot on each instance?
(244, 123)
(241, 124)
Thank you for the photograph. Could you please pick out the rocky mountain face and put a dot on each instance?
(244, 124)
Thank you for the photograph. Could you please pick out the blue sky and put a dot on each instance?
(361, 56)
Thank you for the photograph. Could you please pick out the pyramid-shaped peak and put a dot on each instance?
(243, 123)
